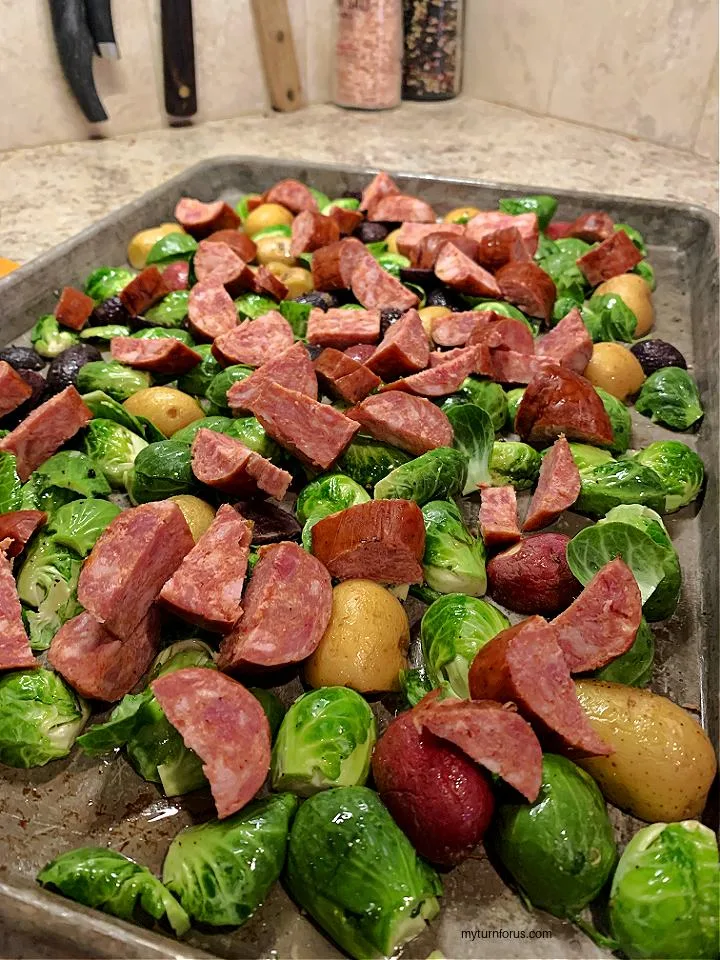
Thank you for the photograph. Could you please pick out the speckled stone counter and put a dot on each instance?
(47, 194)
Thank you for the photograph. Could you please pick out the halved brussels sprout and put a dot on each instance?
(454, 560)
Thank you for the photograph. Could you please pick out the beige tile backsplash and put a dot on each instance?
(643, 68)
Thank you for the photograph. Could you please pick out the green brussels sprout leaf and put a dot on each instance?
(437, 474)
(115, 379)
(170, 312)
(454, 560)
(113, 448)
(513, 463)
(49, 339)
(542, 205)
(173, 246)
(670, 396)
(106, 282)
(367, 461)
(474, 437)
(607, 317)
(680, 468)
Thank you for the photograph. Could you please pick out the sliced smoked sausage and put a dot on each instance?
(73, 308)
(498, 520)
(457, 270)
(447, 374)
(413, 424)
(558, 487)
(488, 221)
(613, 256)
(403, 350)
(143, 291)
(16, 529)
(14, 389)
(225, 464)
(332, 266)
(226, 727)
(311, 230)
(293, 195)
(558, 401)
(342, 328)
(375, 288)
(527, 286)
(343, 378)
(200, 219)
(238, 241)
(286, 609)
(254, 342)
(525, 664)
(15, 652)
(381, 185)
(501, 246)
(400, 208)
(211, 311)
(292, 369)
(568, 343)
(165, 355)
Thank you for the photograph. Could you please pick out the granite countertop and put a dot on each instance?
(47, 194)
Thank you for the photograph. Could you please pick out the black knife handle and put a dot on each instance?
(99, 18)
(75, 47)
(178, 57)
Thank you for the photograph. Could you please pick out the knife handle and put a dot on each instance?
(99, 17)
(75, 48)
(178, 57)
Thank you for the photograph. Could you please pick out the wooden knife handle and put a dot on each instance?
(277, 50)
(178, 57)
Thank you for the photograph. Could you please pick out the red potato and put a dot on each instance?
(437, 796)
(534, 576)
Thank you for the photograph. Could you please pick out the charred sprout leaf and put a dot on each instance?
(49, 339)
(173, 246)
(116, 380)
(595, 546)
(415, 684)
(607, 317)
(273, 707)
(222, 871)
(355, 872)
(670, 396)
(113, 448)
(634, 667)
(452, 631)
(47, 584)
(161, 470)
(680, 468)
(485, 394)
(106, 282)
(542, 205)
(515, 464)
(170, 312)
(328, 495)
(662, 603)
(437, 474)
(325, 740)
(40, 717)
(253, 305)
(665, 893)
(217, 389)
(619, 420)
(559, 850)
(10, 485)
(197, 381)
(619, 482)
(454, 560)
(78, 525)
(108, 881)
(68, 475)
(473, 436)
(367, 461)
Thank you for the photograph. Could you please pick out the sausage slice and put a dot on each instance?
(382, 185)
(202, 219)
(411, 423)
(404, 348)
(528, 287)
(73, 308)
(292, 369)
(293, 195)
(15, 652)
(568, 344)
(211, 311)
(222, 462)
(614, 256)
(254, 342)
(498, 520)
(166, 355)
(375, 288)
(558, 401)
(344, 378)
(311, 230)
(457, 270)
(342, 328)
(143, 291)
(400, 208)
(14, 389)
(226, 727)
(17, 527)
(446, 374)
(558, 487)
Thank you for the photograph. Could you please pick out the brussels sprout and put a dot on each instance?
(616, 482)
(368, 461)
(297, 315)
(154, 747)
(171, 247)
(78, 525)
(635, 235)
(49, 340)
(106, 282)
(452, 631)
(40, 717)
(504, 309)
(47, 583)
(415, 684)
(68, 475)
(273, 707)
(171, 311)
(104, 407)
(474, 436)
(216, 391)
(542, 205)
(161, 470)
(680, 468)
(113, 448)
(355, 872)
(106, 333)
(328, 495)
(665, 893)
(250, 432)
(513, 398)
(514, 463)
(670, 396)
(254, 305)
(221, 871)
(188, 433)
(620, 421)
(634, 667)
(587, 457)
(116, 380)
(197, 381)
(325, 740)
(483, 393)
(645, 270)
(593, 547)
(437, 474)
(10, 484)
(342, 203)
(559, 850)
(559, 262)
(164, 333)
(454, 561)
(607, 317)
(662, 603)
(108, 881)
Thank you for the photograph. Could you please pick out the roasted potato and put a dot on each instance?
(170, 410)
(613, 368)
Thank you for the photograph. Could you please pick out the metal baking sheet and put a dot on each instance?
(79, 800)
